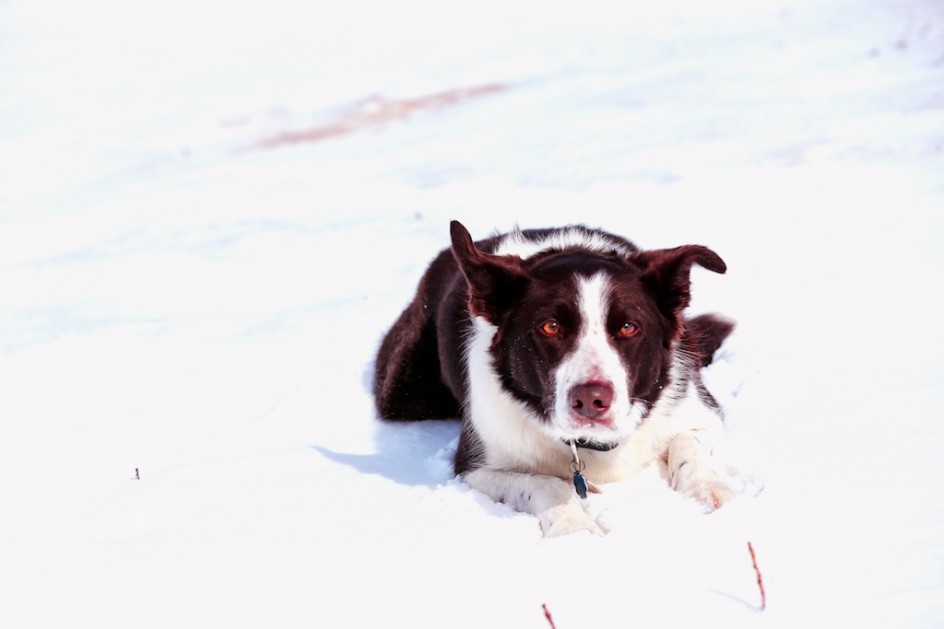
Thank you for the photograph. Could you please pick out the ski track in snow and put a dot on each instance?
(210, 214)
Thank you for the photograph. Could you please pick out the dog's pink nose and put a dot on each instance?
(592, 399)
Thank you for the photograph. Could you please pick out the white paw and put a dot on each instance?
(711, 492)
(568, 520)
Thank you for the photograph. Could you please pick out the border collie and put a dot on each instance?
(567, 355)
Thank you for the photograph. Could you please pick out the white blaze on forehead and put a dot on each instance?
(594, 302)
(594, 357)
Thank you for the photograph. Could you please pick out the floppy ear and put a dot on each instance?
(494, 281)
(666, 272)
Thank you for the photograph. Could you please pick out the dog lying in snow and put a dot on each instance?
(567, 355)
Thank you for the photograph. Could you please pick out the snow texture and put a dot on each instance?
(210, 212)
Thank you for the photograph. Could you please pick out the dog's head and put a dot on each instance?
(584, 338)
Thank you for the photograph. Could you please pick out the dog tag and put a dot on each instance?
(576, 467)
(580, 484)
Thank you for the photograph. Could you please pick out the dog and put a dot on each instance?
(568, 358)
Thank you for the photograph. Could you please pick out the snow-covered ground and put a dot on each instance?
(210, 212)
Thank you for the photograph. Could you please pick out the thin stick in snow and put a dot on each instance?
(547, 614)
(760, 580)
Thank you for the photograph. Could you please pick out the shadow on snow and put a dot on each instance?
(410, 453)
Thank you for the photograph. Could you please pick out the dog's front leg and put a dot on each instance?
(551, 499)
(690, 458)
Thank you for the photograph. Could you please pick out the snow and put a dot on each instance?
(181, 301)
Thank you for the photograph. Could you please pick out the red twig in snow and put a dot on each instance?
(760, 580)
(547, 614)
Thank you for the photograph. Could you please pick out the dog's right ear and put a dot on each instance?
(494, 281)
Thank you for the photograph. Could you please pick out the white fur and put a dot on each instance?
(509, 430)
(516, 243)
(551, 499)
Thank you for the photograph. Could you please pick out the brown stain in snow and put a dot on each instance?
(377, 111)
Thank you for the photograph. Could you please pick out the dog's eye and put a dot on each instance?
(550, 328)
(629, 329)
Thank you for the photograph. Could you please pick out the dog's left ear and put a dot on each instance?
(666, 272)
(494, 281)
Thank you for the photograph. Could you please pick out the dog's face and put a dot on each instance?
(583, 339)
(585, 347)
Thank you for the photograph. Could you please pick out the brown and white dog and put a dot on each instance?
(548, 340)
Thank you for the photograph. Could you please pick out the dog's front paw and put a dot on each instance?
(567, 520)
(711, 492)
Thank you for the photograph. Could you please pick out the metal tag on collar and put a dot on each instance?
(577, 467)
(580, 483)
